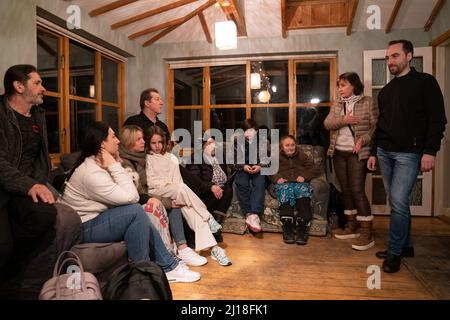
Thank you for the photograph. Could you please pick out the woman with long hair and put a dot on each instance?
(105, 197)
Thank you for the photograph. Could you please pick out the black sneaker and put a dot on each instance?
(392, 263)
(407, 252)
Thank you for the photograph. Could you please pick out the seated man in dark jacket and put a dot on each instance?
(24, 167)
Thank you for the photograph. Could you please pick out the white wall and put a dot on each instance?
(442, 22)
(17, 34)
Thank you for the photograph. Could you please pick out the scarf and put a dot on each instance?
(349, 103)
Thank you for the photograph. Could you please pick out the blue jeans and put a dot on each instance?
(399, 172)
(131, 224)
(250, 200)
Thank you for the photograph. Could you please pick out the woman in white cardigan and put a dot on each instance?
(105, 197)
(164, 179)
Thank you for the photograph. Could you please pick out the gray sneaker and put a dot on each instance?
(218, 254)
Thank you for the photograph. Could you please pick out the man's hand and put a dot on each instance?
(300, 179)
(281, 180)
(217, 191)
(372, 163)
(427, 163)
(248, 169)
(42, 192)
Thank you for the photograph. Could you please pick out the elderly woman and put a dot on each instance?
(132, 152)
(352, 121)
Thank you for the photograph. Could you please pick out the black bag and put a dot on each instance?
(138, 281)
(336, 216)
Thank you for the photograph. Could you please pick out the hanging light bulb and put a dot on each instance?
(226, 35)
(264, 96)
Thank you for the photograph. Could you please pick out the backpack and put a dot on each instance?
(138, 281)
(335, 214)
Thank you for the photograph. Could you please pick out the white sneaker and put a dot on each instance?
(253, 222)
(182, 274)
(191, 258)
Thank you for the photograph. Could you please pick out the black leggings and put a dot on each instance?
(303, 206)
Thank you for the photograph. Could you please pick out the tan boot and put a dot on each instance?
(365, 239)
(350, 231)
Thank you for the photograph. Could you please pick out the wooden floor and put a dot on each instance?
(327, 268)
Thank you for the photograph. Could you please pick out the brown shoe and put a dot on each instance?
(365, 240)
(350, 228)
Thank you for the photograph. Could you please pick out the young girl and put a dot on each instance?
(164, 179)
(296, 169)
(132, 152)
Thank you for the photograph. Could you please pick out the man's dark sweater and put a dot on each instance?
(141, 120)
(412, 115)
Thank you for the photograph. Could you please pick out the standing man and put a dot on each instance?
(407, 137)
(27, 208)
(151, 105)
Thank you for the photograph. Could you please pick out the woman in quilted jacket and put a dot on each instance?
(293, 190)
(352, 121)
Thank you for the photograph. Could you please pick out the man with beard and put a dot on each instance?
(407, 137)
(27, 211)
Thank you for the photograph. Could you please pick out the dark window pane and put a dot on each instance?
(47, 60)
(51, 106)
(274, 78)
(110, 116)
(188, 85)
(310, 129)
(82, 114)
(110, 80)
(223, 119)
(378, 193)
(228, 85)
(273, 118)
(378, 72)
(185, 119)
(313, 82)
(82, 70)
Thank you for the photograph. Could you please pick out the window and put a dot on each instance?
(83, 85)
(293, 95)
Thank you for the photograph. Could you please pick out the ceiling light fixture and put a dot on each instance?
(226, 35)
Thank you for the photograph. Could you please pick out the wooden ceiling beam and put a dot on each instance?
(151, 13)
(161, 26)
(283, 19)
(394, 13)
(110, 7)
(353, 6)
(437, 8)
(232, 13)
(184, 20)
(201, 16)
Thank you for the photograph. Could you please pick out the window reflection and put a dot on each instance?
(310, 129)
(188, 86)
(228, 85)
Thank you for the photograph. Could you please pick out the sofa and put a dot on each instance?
(270, 222)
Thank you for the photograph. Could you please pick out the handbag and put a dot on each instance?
(74, 285)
